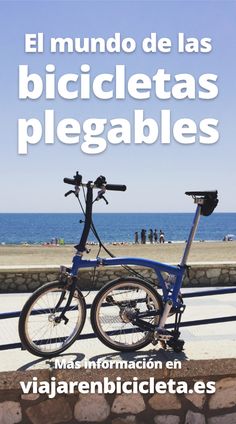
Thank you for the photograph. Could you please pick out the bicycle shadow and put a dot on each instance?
(50, 363)
(161, 355)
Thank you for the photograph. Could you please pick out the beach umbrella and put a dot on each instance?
(230, 236)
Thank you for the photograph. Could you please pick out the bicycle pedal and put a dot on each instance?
(163, 334)
(176, 345)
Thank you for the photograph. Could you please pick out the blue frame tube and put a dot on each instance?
(158, 267)
(78, 262)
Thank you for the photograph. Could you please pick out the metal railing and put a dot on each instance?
(16, 314)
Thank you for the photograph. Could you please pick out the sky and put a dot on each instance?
(156, 175)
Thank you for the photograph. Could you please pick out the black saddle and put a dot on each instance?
(210, 200)
(210, 194)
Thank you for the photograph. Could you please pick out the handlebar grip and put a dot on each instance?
(115, 187)
(69, 181)
(112, 187)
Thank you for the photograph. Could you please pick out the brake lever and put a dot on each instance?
(75, 192)
(105, 200)
(69, 192)
(100, 195)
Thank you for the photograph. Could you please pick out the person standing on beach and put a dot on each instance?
(136, 237)
(143, 236)
(150, 236)
(155, 235)
(162, 237)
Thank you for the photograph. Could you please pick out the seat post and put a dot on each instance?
(191, 234)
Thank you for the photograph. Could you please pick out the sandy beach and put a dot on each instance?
(14, 255)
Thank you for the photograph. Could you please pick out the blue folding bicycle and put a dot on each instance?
(128, 313)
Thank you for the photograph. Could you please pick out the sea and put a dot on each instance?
(39, 228)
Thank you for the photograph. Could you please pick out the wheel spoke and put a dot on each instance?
(115, 309)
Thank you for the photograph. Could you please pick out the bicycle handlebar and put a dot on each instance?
(111, 187)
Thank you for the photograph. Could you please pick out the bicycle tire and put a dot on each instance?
(34, 339)
(108, 321)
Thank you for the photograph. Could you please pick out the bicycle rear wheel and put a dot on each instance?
(114, 308)
(41, 331)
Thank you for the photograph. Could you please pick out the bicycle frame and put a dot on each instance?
(158, 267)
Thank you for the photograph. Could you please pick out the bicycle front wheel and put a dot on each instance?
(114, 308)
(42, 330)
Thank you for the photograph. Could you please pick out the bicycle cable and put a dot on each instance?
(102, 246)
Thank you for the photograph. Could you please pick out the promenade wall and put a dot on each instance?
(27, 279)
(217, 408)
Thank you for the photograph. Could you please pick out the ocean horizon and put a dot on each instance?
(37, 228)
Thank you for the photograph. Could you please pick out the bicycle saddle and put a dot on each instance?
(210, 200)
(212, 194)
